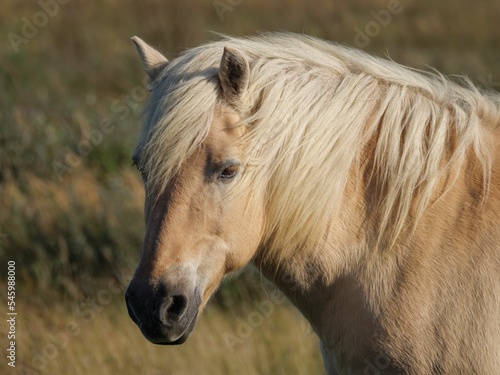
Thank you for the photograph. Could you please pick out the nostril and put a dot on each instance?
(173, 309)
(178, 305)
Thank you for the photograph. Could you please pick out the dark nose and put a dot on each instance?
(158, 310)
(172, 309)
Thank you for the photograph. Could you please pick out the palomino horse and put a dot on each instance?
(368, 192)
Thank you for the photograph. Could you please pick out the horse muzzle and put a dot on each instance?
(165, 312)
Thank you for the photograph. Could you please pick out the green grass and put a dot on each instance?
(71, 205)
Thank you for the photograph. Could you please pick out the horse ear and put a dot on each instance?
(234, 74)
(154, 62)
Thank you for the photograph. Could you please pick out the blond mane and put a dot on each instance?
(311, 107)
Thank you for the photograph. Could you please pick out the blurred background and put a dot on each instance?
(71, 97)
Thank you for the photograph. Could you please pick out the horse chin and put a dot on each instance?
(167, 338)
(179, 341)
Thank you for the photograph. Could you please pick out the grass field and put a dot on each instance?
(72, 92)
(95, 335)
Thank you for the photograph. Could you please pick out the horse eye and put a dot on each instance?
(229, 172)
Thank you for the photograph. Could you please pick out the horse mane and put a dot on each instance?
(311, 108)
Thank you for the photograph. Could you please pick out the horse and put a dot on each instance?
(366, 191)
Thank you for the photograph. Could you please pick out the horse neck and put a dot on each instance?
(306, 278)
(347, 282)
